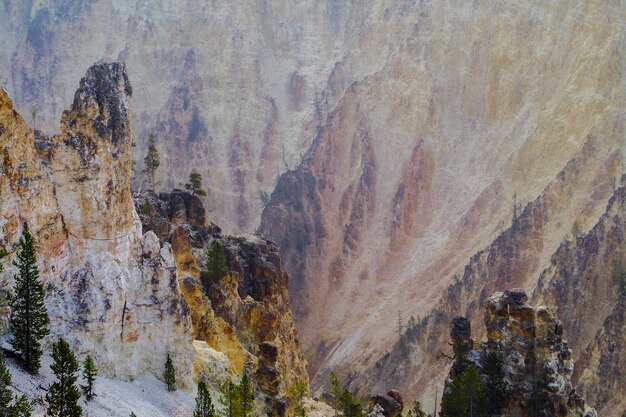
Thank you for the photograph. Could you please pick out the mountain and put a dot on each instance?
(419, 155)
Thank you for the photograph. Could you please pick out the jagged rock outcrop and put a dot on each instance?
(391, 404)
(536, 360)
(247, 314)
(111, 290)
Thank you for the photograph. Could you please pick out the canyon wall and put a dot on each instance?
(403, 133)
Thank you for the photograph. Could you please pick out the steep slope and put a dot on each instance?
(416, 169)
(111, 290)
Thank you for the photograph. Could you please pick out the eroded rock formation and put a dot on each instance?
(246, 315)
(536, 361)
(111, 289)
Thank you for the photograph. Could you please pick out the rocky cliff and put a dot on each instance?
(110, 289)
(528, 346)
(247, 314)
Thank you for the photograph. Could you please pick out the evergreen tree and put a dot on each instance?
(29, 317)
(195, 184)
(146, 207)
(297, 394)
(230, 399)
(495, 385)
(10, 406)
(466, 395)
(89, 375)
(204, 404)
(246, 395)
(416, 410)
(3, 253)
(151, 161)
(216, 266)
(169, 375)
(345, 400)
(63, 395)
(133, 414)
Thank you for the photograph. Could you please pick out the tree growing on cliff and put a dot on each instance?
(465, 396)
(89, 375)
(297, 394)
(169, 375)
(345, 401)
(11, 406)
(29, 317)
(204, 404)
(151, 161)
(246, 395)
(230, 399)
(495, 385)
(63, 395)
(416, 410)
(195, 184)
(216, 266)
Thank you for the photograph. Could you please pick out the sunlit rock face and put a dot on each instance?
(408, 127)
(110, 289)
(246, 315)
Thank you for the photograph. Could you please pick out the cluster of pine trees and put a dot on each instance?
(29, 323)
(471, 394)
(345, 401)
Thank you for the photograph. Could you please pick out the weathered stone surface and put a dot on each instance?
(390, 406)
(246, 315)
(536, 360)
(111, 290)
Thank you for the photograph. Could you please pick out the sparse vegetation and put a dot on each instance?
(619, 274)
(11, 406)
(416, 410)
(146, 207)
(264, 198)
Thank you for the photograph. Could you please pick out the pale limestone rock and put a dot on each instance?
(103, 294)
(210, 365)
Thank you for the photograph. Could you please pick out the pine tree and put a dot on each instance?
(416, 410)
(204, 404)
(229, 398)
(216, 266)
(195, 184)
(29, 317)
(132, 414)
(10, 406)
(297, 394)
(89, 376)
(466, 395)
(246, 394)
(63, 395)
(151, 161)
(170, 374)
(495, 385)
